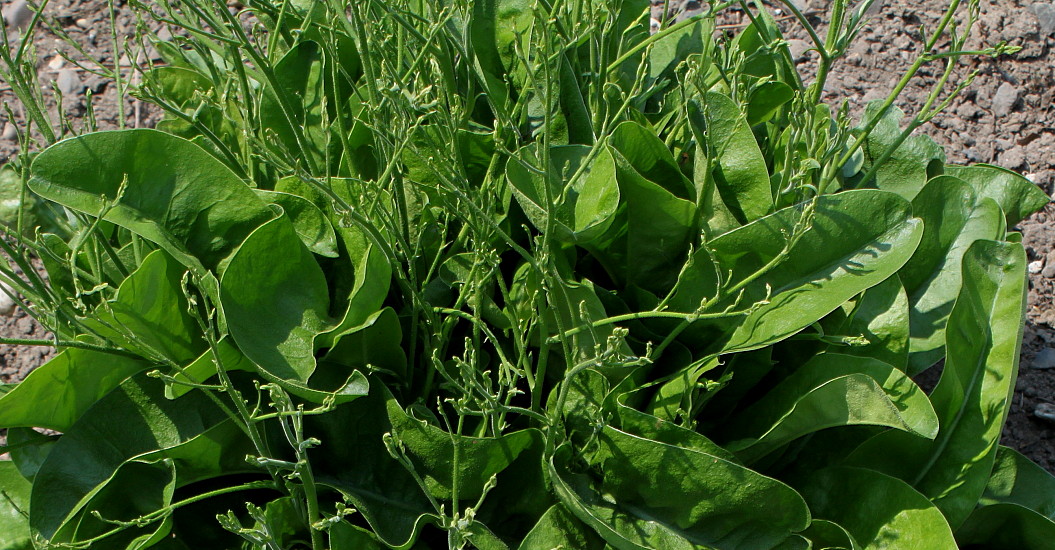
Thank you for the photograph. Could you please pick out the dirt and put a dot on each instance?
(1006, 117)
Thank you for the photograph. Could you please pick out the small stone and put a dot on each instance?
(1045, 359)
(1045, 411)
(1004, 99)
(1035, 267)
(1013, 158)
(10, 132)
(83, 23)
(18, 14)
(1049, 266)
(1045, 13)
(7, 305)
(70, 82)
(56, 63)
(799, 49)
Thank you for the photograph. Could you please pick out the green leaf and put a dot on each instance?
(557, 528)
(14, 509)
(58, 392)
(345, 536)
(878, 511)
(740, 173)
(881, 316)
(276, 301)
(974, 394)
(827, 535)
(583, 183)
(911, 164)
(179, 84)
(662, 496)
(857, 239)
(1017, 480)
(830, 390)
(434, 450)
(1017, 196)
(309, 222)
(376, 344)
(766, 99)
(953, 218)
(379, 486)
(148, 315)
(1006, 526)
(294, 112)
(132, 421)
(161, 187)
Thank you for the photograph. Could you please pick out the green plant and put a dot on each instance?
(408, 274)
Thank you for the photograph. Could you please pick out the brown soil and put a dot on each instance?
(1007, 117)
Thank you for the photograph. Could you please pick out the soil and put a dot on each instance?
(1005, 117)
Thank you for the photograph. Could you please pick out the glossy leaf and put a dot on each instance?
(973, 396)
(857, 240)
(276, 301)
(309, 221)
(740, 174)
(1005, 526)
(911, 164)
(831, 390)
(877, 510)
(557, 528)
(90, 453)
(14, 509)
(672, 497)
(58, 392)
(953, 218)
(584, 186)
(1017, 480)
(192, 205)
(1017, 196)
(881, 316)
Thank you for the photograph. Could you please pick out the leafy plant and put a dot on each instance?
(511, 274)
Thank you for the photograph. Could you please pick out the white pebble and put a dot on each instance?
(70, 82)
(7, 305)
(18, 14)
(10, 132)
(1036, 266)
(56, 63)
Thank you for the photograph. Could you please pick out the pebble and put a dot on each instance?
(18, 14)
(1004, 100)
(1045, 13)
(1045, 411)
(56, 63)
(1045, 359)
(1049, 266)
(1035, 267)
(83, 23)
(799, 49)
(69, 82)
(7, 305)
(10, 132)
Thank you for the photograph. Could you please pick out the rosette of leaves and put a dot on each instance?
(509, 274)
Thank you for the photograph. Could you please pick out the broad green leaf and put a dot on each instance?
(647, 245)
(14, 509)
(766, 99)
(830, 390)
(1017, 480)
(881, 316)
(492, 33)
(58, 392)
(204, 366)
(276, 301)
(309, 222)
(740, 173)
(856, 240)
(148, 315)
(662, 496)
(133, 420)
(161, 187)
(433, 452)
(974, 394)
(911, 164)
(363, 280)
(379, 486)
(674, 399)
(375, 345)
(179, 85)
(29, 448)
(953, 218)
(1017, 196)
(295, 111)
(827, 535)
(668, 52)
(345, 536)
(137, 488)
(878, 511)
(658, 429)
(582, 183)
(557, 528)
(1006, 526)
